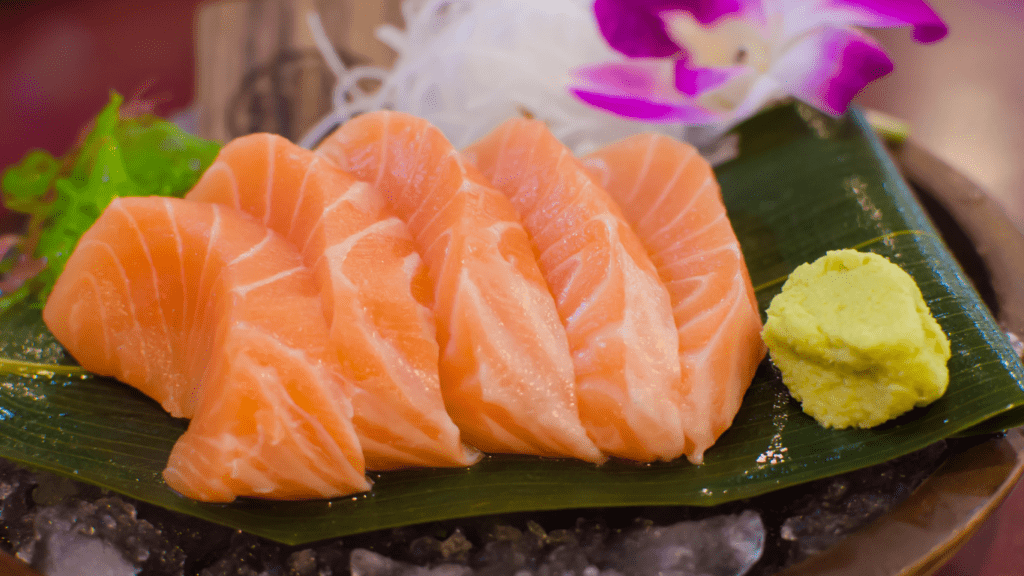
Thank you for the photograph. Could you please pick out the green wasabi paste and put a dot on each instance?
(855, 341)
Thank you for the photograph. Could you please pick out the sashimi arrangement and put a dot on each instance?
(56, 415)
(284, 308)
(670, 196)
(164, 294)
(373, 286)
(380, 312)
(505, 369)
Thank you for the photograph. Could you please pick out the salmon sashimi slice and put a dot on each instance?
(215, 317)
(615, 309)
(506, 373)
(374, 287)
(671, 198)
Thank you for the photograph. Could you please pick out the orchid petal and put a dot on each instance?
(639, 89)
(634, 28)
(829, 67)
(800, 16)
(696, 81)
(639, 76)
(709, 11)
(763, 91)
(647, 110)
(928, 26)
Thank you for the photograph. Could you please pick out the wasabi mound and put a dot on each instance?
(855, 341)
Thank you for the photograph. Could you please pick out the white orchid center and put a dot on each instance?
(730, 41)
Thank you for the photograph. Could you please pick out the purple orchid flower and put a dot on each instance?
(714, 62)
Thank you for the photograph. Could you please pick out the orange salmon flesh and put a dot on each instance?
(387, 301)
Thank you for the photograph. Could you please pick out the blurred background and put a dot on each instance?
(961, 98)
(60, 60)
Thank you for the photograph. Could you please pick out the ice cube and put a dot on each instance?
(70, 553)
(726, 545)
(363, 562)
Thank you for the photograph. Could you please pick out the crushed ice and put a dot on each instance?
(716, 546)
(71, 553)
(64, 528)
(44, 517)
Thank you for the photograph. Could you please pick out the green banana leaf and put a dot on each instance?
(803, 183)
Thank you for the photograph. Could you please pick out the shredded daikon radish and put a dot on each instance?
(469, 65)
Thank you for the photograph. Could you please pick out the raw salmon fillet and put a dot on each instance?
(506, 373)
(615, 309)
(671, 198)
(215, 317)
(374, 288)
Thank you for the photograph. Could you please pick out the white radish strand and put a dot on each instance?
(468, 65)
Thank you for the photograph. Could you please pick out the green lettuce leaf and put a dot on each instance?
(134, 156)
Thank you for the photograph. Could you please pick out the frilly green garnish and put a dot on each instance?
(133, 156)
